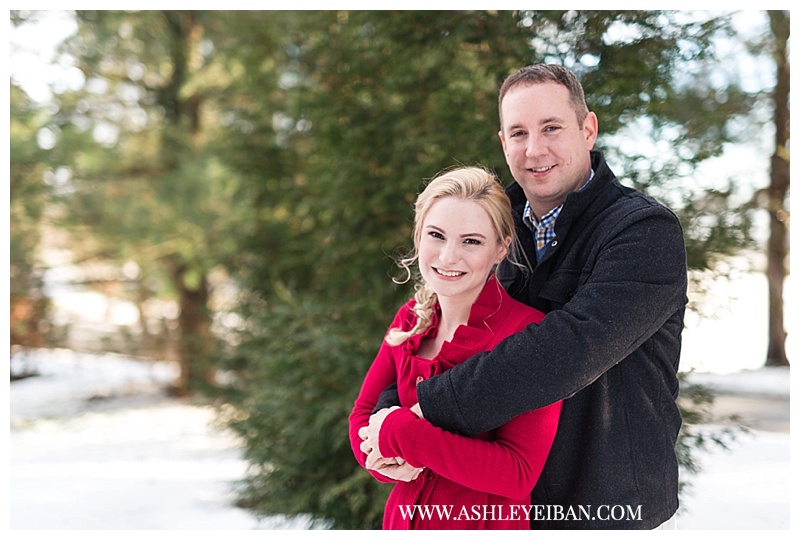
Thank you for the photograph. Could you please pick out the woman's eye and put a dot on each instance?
(472, 241)
(435, 234)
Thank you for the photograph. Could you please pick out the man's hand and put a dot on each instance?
(370, 435)
(399, 470)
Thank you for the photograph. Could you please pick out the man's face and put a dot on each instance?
(546, 148)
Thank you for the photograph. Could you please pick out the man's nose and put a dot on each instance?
(536, 145)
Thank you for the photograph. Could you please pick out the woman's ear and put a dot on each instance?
(503, 252)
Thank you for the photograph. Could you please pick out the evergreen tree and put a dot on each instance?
(146, 184)
(374, 103)
(380, 102)
(289, 146)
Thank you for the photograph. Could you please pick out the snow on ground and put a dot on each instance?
(96, 445)
(764, 381)
(83, 459)
(745, 487)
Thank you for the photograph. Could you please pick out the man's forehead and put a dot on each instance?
(537, 91)
(542, 103)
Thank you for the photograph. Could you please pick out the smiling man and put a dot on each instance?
(547, 146)
(607, 265)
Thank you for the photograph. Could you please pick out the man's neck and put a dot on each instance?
(541, 210)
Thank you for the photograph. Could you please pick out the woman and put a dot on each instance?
(463, 229)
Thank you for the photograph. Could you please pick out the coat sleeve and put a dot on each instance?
(381, 374)
(637, 283)
(508, 466)
(390, 397)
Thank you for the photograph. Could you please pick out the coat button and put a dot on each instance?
(555, 243)
(420, 379)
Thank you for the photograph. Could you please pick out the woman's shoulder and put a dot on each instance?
(405, 318)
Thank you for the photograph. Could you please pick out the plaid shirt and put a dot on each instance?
(544, 230)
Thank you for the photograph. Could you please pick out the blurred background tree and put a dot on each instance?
(777, 194)
(145, 182)
(29, 193)
(282, 150)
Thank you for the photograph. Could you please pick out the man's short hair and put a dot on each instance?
(543, 73)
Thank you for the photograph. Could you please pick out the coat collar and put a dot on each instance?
(577, 201)
(476, 335)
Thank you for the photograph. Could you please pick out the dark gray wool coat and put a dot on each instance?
(613, 286)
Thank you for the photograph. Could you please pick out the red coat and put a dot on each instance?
(482, 482)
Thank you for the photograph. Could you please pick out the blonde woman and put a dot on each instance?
(463, 230)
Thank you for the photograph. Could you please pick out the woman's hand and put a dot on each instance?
(395, 468)
(370, 435)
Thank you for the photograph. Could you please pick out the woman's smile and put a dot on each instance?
(458, 249)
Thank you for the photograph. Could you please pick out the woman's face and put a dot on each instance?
(458, 249)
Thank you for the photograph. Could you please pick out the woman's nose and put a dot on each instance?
(450, 253)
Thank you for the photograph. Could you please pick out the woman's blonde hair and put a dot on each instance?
(474, 184)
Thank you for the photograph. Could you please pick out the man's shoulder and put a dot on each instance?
(624, 197)
(635, 203)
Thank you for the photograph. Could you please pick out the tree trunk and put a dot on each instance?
(778, 246)
(195, 342)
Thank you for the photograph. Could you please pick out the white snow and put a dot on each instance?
(96, 445)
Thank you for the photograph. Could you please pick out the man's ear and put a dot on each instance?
(502, 140)
(590, 128)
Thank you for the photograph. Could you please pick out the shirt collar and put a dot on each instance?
(549, 219)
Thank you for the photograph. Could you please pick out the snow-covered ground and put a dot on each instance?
(95, 444)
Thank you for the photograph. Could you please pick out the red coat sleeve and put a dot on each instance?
(382, 373)
(508, 466)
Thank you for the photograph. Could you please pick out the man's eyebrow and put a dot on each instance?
(551, 119)
(542, 122)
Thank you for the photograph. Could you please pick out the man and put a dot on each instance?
(608, 267)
